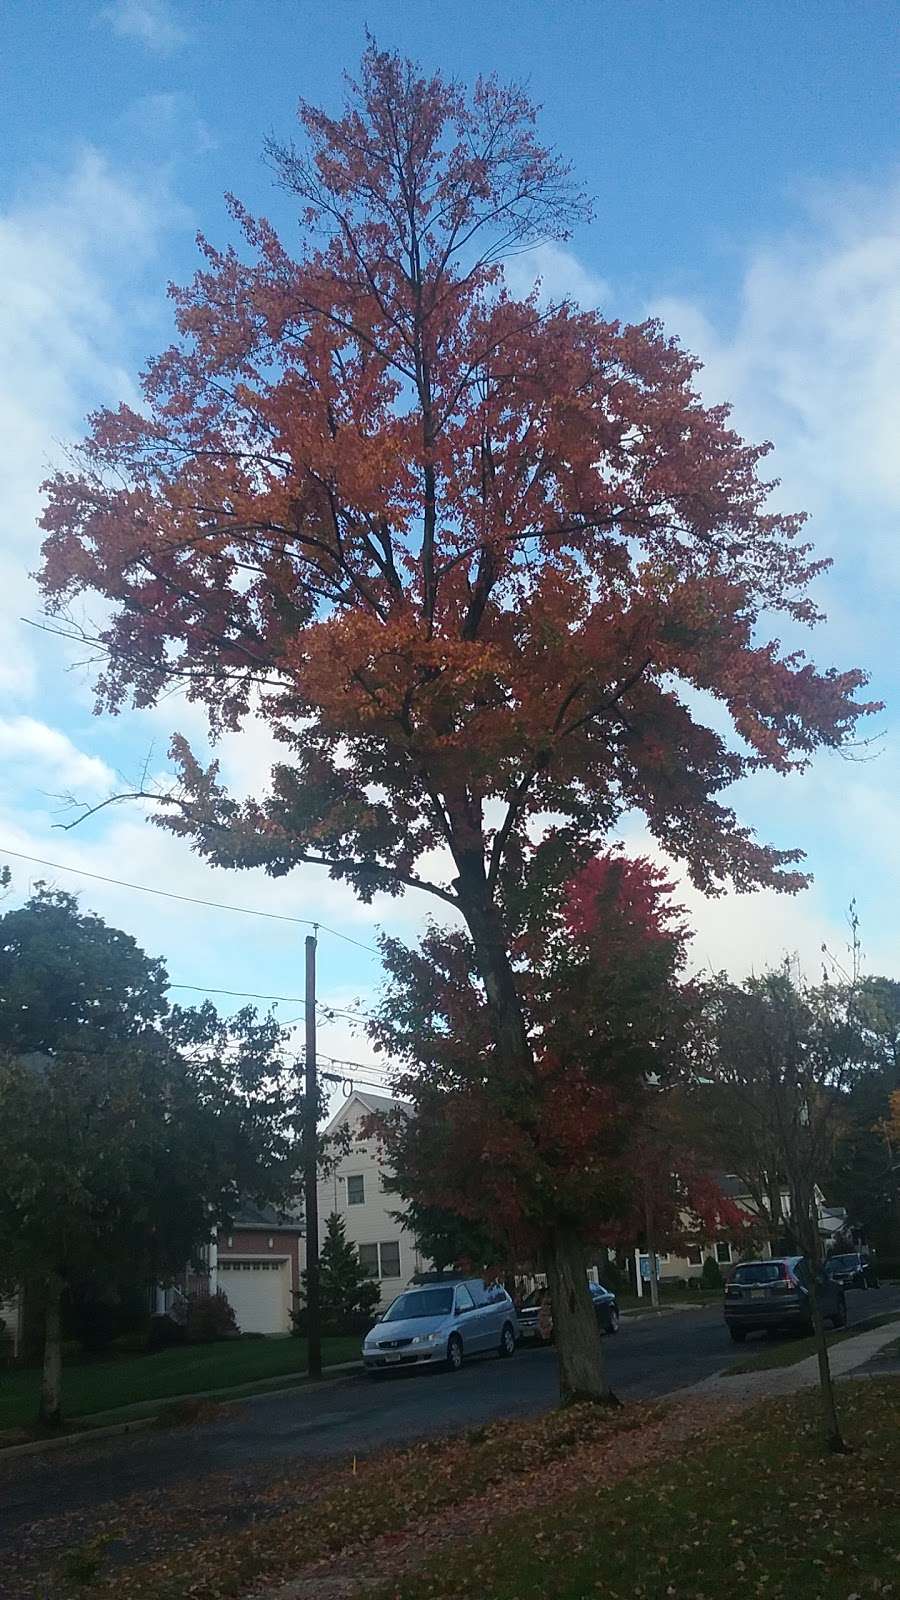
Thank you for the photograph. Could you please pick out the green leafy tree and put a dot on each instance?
(347, 1293)
(865, 1175)
(793, 1053)
(127, 1130)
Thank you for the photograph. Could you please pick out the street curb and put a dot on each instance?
(139, 1418)
(36, 1447)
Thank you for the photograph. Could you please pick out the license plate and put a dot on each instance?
(757, 1294)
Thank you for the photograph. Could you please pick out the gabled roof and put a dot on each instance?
(381, 1102)
(372, 1103)
(248, 1214)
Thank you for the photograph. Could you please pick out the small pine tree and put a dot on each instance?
(711, 1276)
(348, 1296)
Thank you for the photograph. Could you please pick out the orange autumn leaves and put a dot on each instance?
(461, 547)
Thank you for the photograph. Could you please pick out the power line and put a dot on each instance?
(193, 900)
(289, 999)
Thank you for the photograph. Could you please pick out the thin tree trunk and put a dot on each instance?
(582, 1369)
(50, 1411)
(833, 1436)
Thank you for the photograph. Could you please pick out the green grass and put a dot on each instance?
(760, 1510)
(794, 1350)
(127, 1380)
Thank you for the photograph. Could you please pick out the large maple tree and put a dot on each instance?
(475, 559)
(589, 1141)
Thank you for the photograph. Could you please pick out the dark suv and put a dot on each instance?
(852, 1270)
(775, 1294)
(531, 1326)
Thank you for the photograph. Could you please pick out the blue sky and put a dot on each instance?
(745, 165)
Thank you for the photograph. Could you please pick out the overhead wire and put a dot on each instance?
(323, 1008)
(190, 899)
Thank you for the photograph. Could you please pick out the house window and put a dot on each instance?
(723, 1253)
(356, 1190)
(390, 1260)
(695, 1256)
(368, 1259)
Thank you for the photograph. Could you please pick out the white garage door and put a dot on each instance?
(259, 1294)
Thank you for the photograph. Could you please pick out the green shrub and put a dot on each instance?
(210, 1317)
(711, 1276)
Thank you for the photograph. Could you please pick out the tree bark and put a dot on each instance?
(832, 1428)
(807, 1227)
(581, 1365)
(582, 1369)
(50, 1409)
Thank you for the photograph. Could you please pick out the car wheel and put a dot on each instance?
(454, 1352)
(508, 1340)
(612, 1320)
(738, 1334)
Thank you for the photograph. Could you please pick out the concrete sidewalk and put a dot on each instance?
(772, 1382)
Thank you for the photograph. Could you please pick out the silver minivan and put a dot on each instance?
(441, 1324)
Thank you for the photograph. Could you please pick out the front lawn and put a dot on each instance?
(90, 1386)
(757, 1510)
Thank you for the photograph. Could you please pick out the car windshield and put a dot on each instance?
(757, 1272)
(842, 1262)
(533, 1299)
(420, 1303)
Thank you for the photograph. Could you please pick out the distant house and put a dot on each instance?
(674, 1267)
(256, 1263)
(355, 1190)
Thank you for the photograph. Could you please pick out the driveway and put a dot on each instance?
(352, 1415)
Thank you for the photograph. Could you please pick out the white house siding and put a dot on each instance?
(385, 1246)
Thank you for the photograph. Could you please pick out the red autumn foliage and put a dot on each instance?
(610, 1023)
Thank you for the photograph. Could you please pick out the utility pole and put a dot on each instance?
(311, 1171)
(652, 1261)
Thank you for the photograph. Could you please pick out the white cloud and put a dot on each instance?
(812, 361)
(65, 250)
(27, 743)
(152, 23)
(169, 120)
(562, 277)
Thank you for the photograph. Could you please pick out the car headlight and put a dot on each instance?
(424, 1338)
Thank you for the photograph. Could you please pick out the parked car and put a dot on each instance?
(853, 1270)
(441, 1324)
(775, 1294)
(535, 1326)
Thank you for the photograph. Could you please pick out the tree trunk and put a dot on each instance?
(833, 1437)
(582, 1374)
(50, 1411)
(581, 1364)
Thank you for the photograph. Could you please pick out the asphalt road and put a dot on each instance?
(354, 1415)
